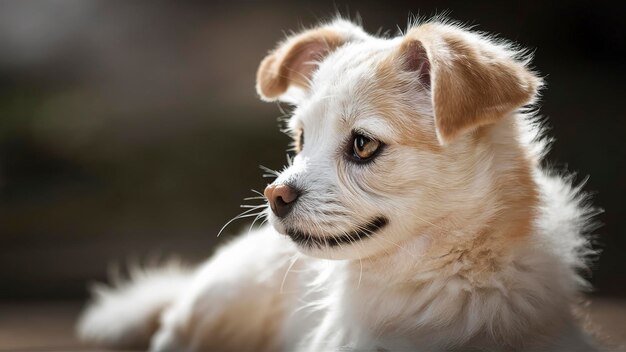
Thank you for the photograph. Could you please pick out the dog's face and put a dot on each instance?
(386, 132)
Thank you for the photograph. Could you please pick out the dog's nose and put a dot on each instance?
(281, 198)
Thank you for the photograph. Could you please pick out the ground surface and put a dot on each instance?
(49, 326)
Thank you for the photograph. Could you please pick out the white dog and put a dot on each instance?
(415, 216)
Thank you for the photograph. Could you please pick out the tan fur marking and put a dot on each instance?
(414, 130)
(294, 61)
(483, 253)
(472, 83)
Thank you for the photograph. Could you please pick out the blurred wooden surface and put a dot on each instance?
(49, 326)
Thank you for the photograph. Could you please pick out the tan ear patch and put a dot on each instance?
(294, 61)
(473, 82)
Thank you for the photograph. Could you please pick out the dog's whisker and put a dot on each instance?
(259, 193)
(358, 285)
(252, 206)
(254, 198)
(270, 171)
(260, 215)
(245, 214)
(293, 262)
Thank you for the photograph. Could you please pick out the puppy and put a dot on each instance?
(414, 217)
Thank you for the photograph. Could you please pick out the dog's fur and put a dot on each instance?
(480, 246)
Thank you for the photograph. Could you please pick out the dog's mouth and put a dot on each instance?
(309, 240)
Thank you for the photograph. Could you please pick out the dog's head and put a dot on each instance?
(392, 135)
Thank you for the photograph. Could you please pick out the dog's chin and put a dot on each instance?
(343, 245)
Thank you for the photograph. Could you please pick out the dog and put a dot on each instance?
(416, 214)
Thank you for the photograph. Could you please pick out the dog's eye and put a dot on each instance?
(299, 140)
(364, 148)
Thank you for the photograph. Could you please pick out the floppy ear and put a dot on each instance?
(472, 81)
(295, 60)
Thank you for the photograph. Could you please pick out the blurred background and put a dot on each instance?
(131, 130)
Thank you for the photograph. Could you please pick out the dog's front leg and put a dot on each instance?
(237, 300)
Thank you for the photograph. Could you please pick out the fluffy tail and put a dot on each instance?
(126, 314)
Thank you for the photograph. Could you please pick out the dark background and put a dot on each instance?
(131, 130)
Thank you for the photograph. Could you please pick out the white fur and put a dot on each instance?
(127, 313)
(385, 293)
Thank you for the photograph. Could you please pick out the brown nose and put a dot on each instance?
(281, 198)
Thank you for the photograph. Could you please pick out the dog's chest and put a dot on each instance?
(338, 313)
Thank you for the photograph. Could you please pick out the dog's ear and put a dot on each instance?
(472, 81)
(295, 60)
